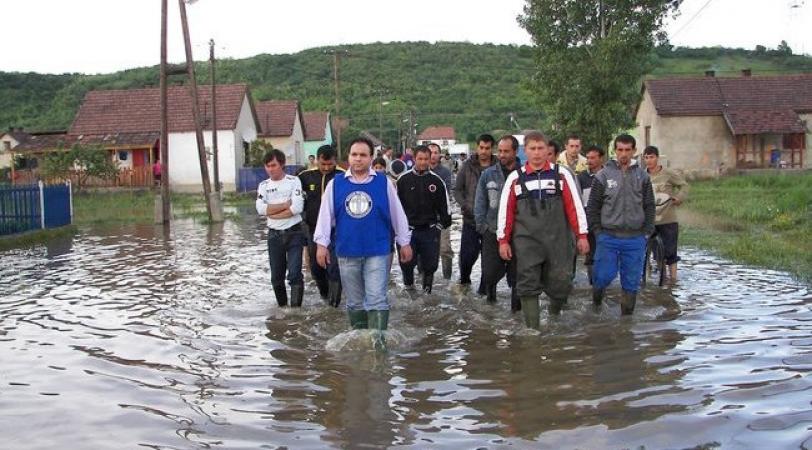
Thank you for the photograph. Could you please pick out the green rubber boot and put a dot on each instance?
(378, 322)
(358, 319)
(530, 310)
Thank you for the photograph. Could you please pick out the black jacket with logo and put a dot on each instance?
(313, 184)
(424, 199)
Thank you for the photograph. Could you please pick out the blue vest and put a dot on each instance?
(363, 224)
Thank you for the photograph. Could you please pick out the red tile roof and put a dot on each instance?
(277, 117)
(715, 95)
(315, 124)
(54, 141)
(749, 121)
(138, 110)
(434, 133)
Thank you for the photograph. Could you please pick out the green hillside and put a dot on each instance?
(472, 87)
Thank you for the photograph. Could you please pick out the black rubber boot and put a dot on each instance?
(335, 293)
(530, 310)
(281, 295)
(597, 296)
(446, 260)
(555, 306)
(515, 302)
(481, 290)
(324, 289)
(627, 303)
(296, 295)
(428, 280)
(491, 295)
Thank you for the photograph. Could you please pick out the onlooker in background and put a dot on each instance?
(486, 210)
(313, 182)
(281, 200)
(311, 162)
(670, 190)
(464, 193)
(425, 201)
(594, 163)
(572, 157)
(621, 216)
(446, 252)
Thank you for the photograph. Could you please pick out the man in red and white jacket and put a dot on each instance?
(541, 213)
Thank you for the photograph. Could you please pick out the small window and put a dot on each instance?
(123, 155)
(6, 145)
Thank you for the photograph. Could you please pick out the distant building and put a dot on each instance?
(708, 124)
(318, 130)
(9, 140)
(280, 124)
(444, 136)
(127, 124)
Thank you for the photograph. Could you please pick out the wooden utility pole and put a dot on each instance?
(165, 207)
(337, 54)
(215, 153)
(201, 148)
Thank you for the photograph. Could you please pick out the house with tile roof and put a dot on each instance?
(127, 124)
(710, 124)
(444, 136)
(9, 140)
(318, 129)
(280, 124)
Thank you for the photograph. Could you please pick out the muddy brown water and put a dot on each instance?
(141, 337)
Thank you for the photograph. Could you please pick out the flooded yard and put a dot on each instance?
(145, 337)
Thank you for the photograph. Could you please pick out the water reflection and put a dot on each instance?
(169, 337)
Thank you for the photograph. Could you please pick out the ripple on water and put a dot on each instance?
(133, 337)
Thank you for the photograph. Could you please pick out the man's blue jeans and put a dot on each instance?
(285, 255)
(364, 280)
(613, 253)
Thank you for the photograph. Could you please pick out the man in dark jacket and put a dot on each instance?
(313, 183)
(620, 214)
(464, 193)
(425, 202)
(446, 252)
(486, 210)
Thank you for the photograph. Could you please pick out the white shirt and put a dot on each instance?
(271, 192)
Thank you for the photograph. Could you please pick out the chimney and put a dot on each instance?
(747, 72)
(710, 73)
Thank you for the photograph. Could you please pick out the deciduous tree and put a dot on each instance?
(590, 58)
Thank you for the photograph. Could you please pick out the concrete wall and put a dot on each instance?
(5, 156)
(184, 169)
(701, 145)
(807, 118)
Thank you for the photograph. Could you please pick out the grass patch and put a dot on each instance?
(35, 237)
(764, 220)
(139, 207)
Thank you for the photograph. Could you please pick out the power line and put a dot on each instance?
(692, 18)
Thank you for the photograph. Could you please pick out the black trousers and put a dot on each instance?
(493, 266)
(425, 250)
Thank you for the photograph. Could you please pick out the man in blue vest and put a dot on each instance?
(364, 208)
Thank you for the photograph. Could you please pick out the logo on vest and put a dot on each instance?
(358, 204)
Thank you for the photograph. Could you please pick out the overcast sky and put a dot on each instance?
(101, 36)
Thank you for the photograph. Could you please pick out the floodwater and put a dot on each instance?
(141, 337)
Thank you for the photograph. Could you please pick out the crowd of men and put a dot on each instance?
(527, 220)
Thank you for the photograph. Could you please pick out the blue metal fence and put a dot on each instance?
(30, 207)
(250, 177)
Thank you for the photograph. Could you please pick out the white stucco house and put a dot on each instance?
(281, 124)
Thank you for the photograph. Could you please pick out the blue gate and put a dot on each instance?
(31, 207)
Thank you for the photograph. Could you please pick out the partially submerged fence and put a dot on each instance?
(37, 206)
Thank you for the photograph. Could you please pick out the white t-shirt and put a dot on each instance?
(270, 192)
